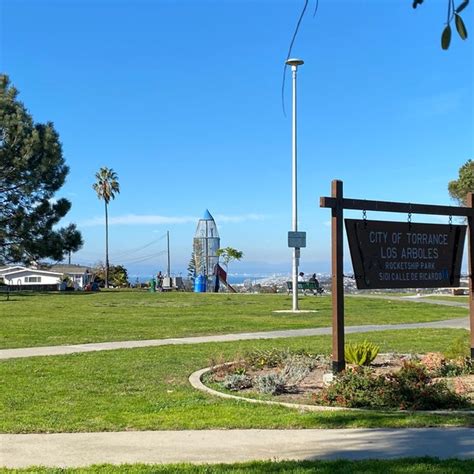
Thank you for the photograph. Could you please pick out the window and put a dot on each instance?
(33, 279)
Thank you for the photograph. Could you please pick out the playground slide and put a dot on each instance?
(222, 275)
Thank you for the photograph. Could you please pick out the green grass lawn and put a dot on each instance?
(74, 318)
(401, 466)
(148, 389)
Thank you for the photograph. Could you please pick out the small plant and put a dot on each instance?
(237, 382)
(240, 370)
(362, 353)
(268, 358)
(297, 368)
(272, 384)
(459, 366)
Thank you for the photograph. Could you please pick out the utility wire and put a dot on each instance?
(138, 249)
(143, 258)
(295, 33)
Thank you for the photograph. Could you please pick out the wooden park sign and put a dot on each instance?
(396, 254)
(405, 255)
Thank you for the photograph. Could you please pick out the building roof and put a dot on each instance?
(70, 269)
(10, 268)
(31, 270)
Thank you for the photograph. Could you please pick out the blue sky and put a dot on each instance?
(183, 100)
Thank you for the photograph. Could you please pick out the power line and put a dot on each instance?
(138, 249)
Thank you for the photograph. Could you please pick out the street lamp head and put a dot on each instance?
(294, 62)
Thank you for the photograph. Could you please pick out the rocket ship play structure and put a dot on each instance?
(209, 274)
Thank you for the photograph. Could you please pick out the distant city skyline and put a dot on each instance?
(183, 101)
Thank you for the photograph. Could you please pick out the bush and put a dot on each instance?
(459, 366)
(411, 388)
(272, 384)
(297, 368)
(354, 388)
(237, 382)
(362, 353)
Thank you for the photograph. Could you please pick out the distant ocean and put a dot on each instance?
(239, 279)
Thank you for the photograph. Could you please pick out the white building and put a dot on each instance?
(79, 275)
(21, 276)
(9, 269)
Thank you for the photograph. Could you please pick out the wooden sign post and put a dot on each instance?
(396, 254)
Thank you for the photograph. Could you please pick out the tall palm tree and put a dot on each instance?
(106, 187)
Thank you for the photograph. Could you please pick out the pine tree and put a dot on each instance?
(32, 169)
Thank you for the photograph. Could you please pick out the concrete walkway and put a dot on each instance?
(459, 323)
(229, 446)
(417, 299)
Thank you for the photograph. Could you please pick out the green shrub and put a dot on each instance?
(361, 353)
(456, 367)
(296, 369)
(411, 388)
(272, 384)
(237, 382)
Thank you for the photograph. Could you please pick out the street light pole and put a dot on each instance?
(294, 63)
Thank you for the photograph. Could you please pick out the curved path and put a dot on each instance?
(458, 323)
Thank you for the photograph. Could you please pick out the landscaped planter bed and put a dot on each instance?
(245, 379)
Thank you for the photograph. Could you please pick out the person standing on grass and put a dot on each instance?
(159, 281)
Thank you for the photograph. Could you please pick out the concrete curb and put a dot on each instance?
(196, 382)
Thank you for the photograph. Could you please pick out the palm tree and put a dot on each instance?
(106, 187)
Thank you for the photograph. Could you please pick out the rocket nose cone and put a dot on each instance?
(207, 216)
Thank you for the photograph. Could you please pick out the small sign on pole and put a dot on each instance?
(296, 239)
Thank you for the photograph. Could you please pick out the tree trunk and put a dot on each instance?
(106, 247)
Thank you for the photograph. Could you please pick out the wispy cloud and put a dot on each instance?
(243, 218)
(134, 219)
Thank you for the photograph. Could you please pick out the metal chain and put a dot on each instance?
(409, 217)
(450, 220)
(364, 217)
